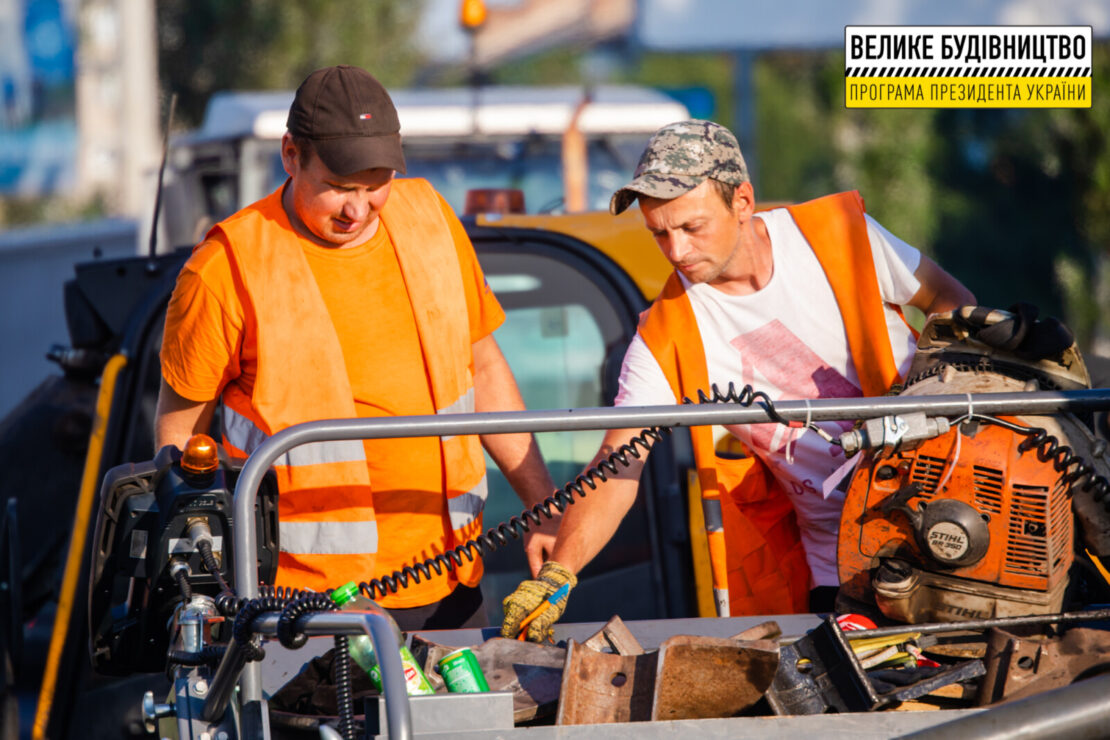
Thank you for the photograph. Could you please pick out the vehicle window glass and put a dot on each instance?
(560, 326)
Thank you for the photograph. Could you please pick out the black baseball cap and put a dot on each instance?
(350, 119)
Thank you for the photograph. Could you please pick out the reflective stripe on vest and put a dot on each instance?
(243, 435)
(467, 507)
(328, 538)
(462, 405)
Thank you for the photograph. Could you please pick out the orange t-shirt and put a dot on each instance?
(211, 340)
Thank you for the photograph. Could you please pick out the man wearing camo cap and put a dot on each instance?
(799, 302)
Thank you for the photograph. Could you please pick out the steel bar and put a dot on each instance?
(1094, 615)
(1075, 712)
(823, 409)
(223, 682)
(398, 712)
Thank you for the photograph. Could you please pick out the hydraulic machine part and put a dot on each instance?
(162, 551)
(973, 519)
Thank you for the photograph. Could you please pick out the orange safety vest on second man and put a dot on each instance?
(327, 526)
(756, 553)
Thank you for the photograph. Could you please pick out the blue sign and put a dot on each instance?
(38, 130)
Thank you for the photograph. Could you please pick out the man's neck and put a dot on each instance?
(753, 266)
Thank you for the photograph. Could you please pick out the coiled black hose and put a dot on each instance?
(229, 604)
(344, 693)
(289, 638)
(516, 526)
(1074, 470)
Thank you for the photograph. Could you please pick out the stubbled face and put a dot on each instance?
(330, 209)
(697, 232)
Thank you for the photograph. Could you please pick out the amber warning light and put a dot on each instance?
(472, 14)
(199, 456)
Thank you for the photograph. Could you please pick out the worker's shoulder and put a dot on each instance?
(210, 260)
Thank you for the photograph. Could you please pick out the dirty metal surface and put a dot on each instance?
(706, 677)
(1018, 667)
(768, 630)
(533, 673)
(600, 688)
(819, 673)
(615, 636)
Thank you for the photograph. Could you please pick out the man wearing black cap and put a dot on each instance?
(347, 293)
(799, 302)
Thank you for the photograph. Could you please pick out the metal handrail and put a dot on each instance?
(348, 622)
(822, 409)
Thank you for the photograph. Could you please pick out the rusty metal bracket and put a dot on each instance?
(599, 688)
(1020, 666)
(708, 677)
(616, 636)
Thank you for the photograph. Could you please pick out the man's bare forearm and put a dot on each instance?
(590, 523)
(177, 418)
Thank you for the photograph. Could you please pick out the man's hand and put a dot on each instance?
(531, 594)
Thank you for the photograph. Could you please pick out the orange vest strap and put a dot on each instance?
(290, 387)
(758, 564)
(836, 230)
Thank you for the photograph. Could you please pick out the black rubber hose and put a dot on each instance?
(213, 567)
(182, 579)
(344, 694)
(209, 655)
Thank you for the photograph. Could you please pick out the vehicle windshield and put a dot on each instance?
(532, 164)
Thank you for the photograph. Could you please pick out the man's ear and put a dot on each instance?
(743, 201)
(289, 153)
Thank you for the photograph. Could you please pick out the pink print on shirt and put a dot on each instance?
(795, 369)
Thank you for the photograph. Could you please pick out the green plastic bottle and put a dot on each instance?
(361, 648)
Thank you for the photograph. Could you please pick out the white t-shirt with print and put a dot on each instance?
(788, 340)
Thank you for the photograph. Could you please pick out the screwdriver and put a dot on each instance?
(544, 605)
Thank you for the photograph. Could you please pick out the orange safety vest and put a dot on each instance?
(755, 550)
(327, 526)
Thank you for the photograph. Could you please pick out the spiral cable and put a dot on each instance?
(1074, 470)
(517, 526)
(344, 692)
(229, 604)
(294, 610)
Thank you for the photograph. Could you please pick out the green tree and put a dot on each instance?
(210, 45)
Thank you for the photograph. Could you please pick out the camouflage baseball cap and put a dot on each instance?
(681, 156)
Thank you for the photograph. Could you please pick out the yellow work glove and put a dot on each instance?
(529, 595)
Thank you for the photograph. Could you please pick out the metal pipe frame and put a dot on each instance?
(348, 622)
(823, 409)
(1077, 712)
